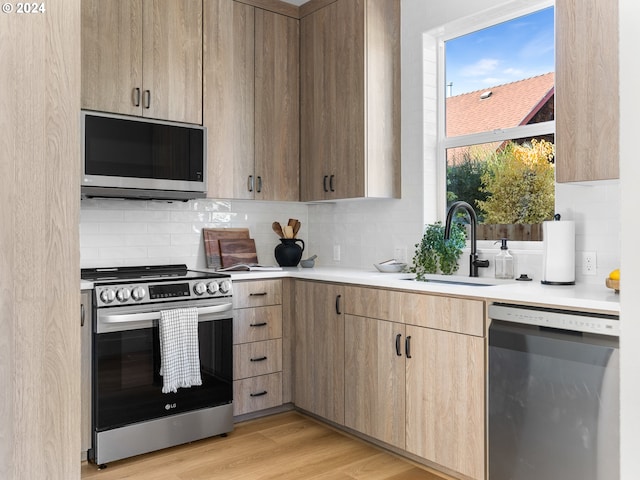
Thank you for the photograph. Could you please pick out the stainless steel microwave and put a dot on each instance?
(130, 157)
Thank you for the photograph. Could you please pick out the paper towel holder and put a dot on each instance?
(551, 274)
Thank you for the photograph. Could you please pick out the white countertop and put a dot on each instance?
(583, 297)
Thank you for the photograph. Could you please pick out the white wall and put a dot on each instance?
(630, 287)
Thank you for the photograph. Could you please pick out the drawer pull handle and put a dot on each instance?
(261, 324)
(258, 359)
(324, 183)
(338, 297)
(407, 346)
(261, 294)
(398, 339)
(259, 394)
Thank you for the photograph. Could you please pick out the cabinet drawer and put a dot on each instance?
(452, 314)
(257, 393)
(257, 293)
(257, 324)
(258, 358)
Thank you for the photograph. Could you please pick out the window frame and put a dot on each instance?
(464, 26)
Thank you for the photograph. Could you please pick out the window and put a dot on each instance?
(497, 137)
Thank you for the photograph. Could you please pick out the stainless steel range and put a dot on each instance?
(130, 413)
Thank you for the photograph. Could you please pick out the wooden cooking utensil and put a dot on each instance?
(275, 226)
(291, 222)
(296, 228)
(288, 231)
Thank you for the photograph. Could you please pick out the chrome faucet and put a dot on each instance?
(474, 262)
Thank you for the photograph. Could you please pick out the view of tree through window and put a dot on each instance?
(499, 127)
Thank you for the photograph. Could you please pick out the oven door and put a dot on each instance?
(127, 385)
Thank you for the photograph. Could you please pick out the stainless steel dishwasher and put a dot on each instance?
(553, 389)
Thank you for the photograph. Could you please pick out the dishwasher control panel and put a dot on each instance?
(588, 322)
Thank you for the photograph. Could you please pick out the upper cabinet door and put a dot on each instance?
(317, 101)
(143, 57)
(229, 97)
(587, 100)
(172, 74)
(112, 56)
(277, 111)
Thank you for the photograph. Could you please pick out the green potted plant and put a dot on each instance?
(434, 253)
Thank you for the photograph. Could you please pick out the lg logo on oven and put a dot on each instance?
(170, 406)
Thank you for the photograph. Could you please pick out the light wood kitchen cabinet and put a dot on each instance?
(445, 407)
(375, 378)
(587, 99)
(251, 102)
(257, 346)
(350, 99)
(416, 364)
(319, 349)
(85, 372)
(143, 58)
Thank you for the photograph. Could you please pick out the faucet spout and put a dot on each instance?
(474, 262)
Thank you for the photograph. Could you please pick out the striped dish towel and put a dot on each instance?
(179, 351)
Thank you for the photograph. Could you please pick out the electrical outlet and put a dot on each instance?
(588, 263)
(336, 253)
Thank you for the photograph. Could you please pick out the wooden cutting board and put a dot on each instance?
(212, 247)
(237, 250)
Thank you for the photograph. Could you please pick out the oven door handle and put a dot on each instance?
(141, 317)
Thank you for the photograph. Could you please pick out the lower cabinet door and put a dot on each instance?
(257, 393)
(374, 387)
(446, 399)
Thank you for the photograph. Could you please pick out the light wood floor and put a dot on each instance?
(287, 446)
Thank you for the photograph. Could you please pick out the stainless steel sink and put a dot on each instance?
(453, 282)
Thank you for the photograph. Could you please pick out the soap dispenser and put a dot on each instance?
(504, 262)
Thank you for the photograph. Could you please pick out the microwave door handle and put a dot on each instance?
(141, 317)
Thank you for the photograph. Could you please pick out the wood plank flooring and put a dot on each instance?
(287, 446)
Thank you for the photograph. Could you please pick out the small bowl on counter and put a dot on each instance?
(390, 267)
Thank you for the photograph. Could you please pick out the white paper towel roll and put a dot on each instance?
(559, 252)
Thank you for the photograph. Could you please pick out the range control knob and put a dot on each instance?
(225, 286)
(138, 293)
(107, 295)
(213, 287)
(199, 288)
(123, 294)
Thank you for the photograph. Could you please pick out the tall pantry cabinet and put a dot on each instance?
(143, 58)
(350, 99)
(251, 104)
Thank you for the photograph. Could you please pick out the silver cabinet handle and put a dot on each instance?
(250, 183)
(82, 314)
(259, 189)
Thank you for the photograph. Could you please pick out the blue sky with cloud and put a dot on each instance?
(513, 50)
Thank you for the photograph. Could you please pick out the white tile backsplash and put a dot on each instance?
(138, 232)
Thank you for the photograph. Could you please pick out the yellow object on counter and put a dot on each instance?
(615, 274)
